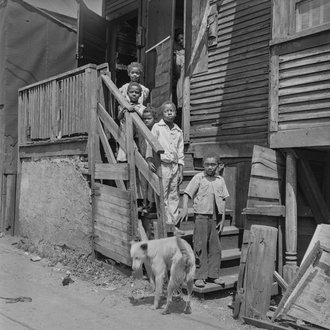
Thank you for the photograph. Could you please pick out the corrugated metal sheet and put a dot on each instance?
(304, 88)
(230, 102)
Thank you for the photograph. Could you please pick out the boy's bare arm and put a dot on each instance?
(221, 224)
(180, 174)
(184, 215)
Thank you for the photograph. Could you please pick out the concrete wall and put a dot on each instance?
(55, 203)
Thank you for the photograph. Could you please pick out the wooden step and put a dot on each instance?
(230, 281)
(227, 230)
(231, 254)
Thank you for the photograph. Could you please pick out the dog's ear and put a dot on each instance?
(144, 246)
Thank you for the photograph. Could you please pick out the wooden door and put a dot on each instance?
(93, 35)
(160, 26)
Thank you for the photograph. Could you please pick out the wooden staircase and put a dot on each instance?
(231, 237)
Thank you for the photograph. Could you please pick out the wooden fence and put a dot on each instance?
(56, 107)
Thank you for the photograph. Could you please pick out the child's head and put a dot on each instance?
(210, 164)
(148, 116)
(135, 71)
(168, 111)
(178, 37)
(134, 91)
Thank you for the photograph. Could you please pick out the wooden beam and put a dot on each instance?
(56, 148)
(132, 174)
(302, 269)
(290, 266)
(151, 177)
(273, 90)
(280, 280)
(111, 171)
(108, 151)
(263, 324)
(269, 210)
(304, 137)
(111, 126)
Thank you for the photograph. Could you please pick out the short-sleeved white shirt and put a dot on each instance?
(205, 190)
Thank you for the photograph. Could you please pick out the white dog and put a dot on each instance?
(167, 254)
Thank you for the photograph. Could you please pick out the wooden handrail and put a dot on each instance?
(151, 139)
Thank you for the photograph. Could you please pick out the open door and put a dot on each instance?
(93, 33)
(159, 49)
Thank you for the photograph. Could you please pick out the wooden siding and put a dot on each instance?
(115, 8)
(229, 103)
(304, 88)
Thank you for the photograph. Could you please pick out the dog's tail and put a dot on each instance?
(186, 256)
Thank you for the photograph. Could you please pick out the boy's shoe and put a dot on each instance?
(178, 231)
(199, 283)
(219, 281)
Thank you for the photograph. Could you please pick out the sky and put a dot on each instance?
(66, 7)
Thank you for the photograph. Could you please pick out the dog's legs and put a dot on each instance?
(159, 288)
(187, 309)
(176, 279)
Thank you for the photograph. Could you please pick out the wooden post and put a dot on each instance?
(91, 89)
(161, 227)
(290, 266)
(130, 152)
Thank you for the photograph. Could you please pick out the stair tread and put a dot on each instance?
(227, 230)
(230, 281)
(230, 254)
(190, 213)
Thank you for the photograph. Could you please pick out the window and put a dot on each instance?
(311, 13)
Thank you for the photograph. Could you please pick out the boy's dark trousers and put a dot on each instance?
(207, 247)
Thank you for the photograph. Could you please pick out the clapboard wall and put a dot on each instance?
(229, 102)
(115, 8)
(304, 88)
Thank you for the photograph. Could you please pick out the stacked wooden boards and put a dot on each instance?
(112, 223)
(229, 102)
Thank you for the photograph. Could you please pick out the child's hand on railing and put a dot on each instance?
(151, 165)
(131, 108)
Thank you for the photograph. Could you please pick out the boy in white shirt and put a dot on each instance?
(170, 137)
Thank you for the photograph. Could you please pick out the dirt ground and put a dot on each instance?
(101, 296)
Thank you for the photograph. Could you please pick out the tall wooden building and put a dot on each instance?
(256, 91)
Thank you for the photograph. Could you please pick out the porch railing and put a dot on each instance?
(56, 107)
(137, 165)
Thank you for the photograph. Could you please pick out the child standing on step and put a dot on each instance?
(148, 118)
(170, 138)
(209, 191)
(135, 71)
(134, 91)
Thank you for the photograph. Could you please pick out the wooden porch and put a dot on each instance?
(75, 111)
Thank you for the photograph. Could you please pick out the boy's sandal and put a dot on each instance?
(178, 231)
(199, 283)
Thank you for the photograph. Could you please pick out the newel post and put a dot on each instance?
(290, 266)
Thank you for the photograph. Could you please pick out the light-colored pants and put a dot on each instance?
(170, 178)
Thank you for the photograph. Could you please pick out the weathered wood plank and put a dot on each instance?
(112, 220)
(101, 229)
(107, 207)
(322, 234)
(111, 171)
(303, 70)
(259, 275)
(310, 78)
(108, 151)
(113, 191)
(113, 239)
(296, 117)
(304, 88)
(108, 251)
(310, 60)
(307, 137)
(112, 199)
